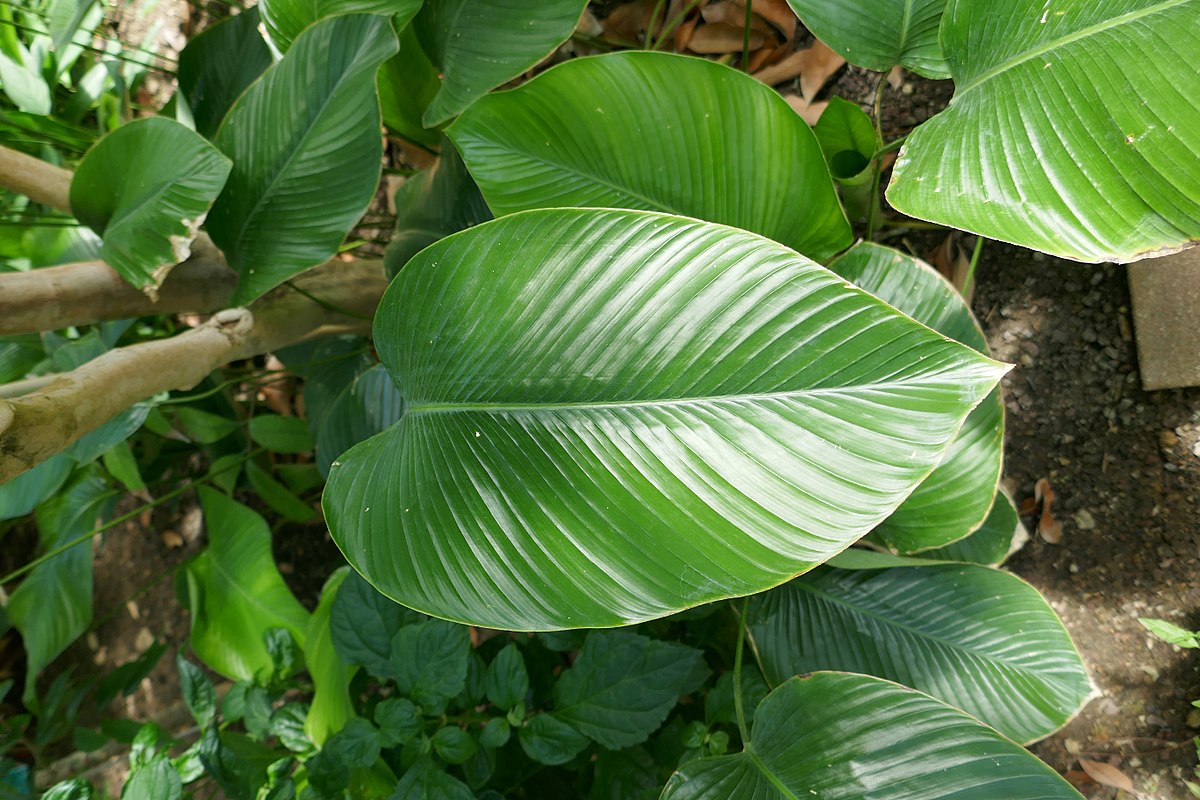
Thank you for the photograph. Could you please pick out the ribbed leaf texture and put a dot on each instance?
(1073, 130)
(836, 736)
(879, 34)
(954, 500)
(614, 415)
(975, 637)
(658, 132)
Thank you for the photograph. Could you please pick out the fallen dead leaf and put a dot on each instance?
(1049, 528)
(809, 112)
(950, 259)
(172, 539)
(814, 65)
(719, 38)
(628, 22)
(277, 394)
(895, 77)
(733, 14)
(779, 14)
(1107, 775)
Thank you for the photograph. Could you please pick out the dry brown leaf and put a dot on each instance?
(779, 14)
(951, 260)
(1107, 775)
(815, 65)
(1028, 507)
(718, 39)
(809, 112)
(277, 394)
(895, 77)
(628, 22)
(683, 34)
(733, 14)
(172, 539)
(417, 157)
(1049, 528)
(759, 58)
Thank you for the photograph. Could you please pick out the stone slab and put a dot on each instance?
(1166, 319)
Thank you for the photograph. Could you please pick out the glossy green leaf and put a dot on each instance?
(280, 499)
(219, 64)
(622, 686)
(432, 205)
(331, 706)
(646, 132)
(1171, 633)
(280, 434)
(407, 84)
(52, 606)
(235, 592)
(286, 19)
(453, 745)
(615, 415)
(146, 188)
(956, 498)
(19, 354)
(879, 34)
(358, 409)
(974, 637)
(480, 44)
(851, 737)
(427, 781)
(1058, 138)
(847, 138)
(295, 193)
(398, 720)
(1000, 535)
(156, 780)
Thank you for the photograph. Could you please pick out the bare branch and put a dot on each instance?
(38, 180)
(37, 425)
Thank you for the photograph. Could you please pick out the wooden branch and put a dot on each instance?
(38, 180)
(44, 422)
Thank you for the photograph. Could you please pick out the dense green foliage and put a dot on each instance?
(629, 368)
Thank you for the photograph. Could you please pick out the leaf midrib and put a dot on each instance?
(449, 407)
(1070, 38)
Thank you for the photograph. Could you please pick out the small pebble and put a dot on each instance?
(144, 640)
(1168, 439)
(1084, 520)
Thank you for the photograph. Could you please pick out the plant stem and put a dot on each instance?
(171, 495)
(746, 36)
(669, 29)
(326, 304)
(874, 213)
(895, 144)
(966, 289)
(658, 9)
(737, 674)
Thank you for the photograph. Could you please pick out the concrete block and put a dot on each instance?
(1166, 319)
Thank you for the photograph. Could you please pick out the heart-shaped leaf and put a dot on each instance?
(658, 132)
(1059, 138)
(975, 637)
(851, 737)
(306, 149)
(615, 415)
(146, 188)
(286, 19)
(217, 66)
(956, 498)
(879, 34)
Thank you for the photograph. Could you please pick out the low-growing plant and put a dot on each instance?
(663, 390)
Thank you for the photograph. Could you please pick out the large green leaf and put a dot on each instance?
(331, 706)
(146, 188)
(1072, 132)
(836, 736)
(658, 132)
(219, 64)
(407, 84)
(23, 493)
(955, 499)
(432, 205)
(53, 605)
(306, 149)
(614, 415)
(285, 19)
(480, 44)
(235, 592)
(1001, 534)
(975, 637)
(879, 34)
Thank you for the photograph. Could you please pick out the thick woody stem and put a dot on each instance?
(37, 425)
(38, 180)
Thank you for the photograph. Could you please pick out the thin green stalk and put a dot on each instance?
(78, 540)
(746, 36)
(875, 211)
(650, 25)
(737, 674)
(326, 304)
(895, 144)
(966, 289)
(669, 29)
